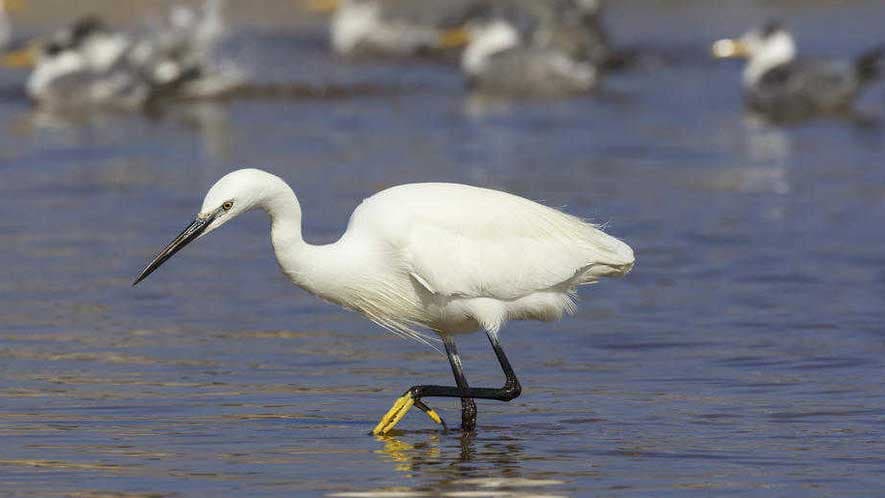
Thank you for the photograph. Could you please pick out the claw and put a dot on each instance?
(400, 407)
(430, 412)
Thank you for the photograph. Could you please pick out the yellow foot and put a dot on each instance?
(430, 412)
(400, 407)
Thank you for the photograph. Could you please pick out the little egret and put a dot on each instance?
(442, 257)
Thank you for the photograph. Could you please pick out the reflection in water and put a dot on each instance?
(407, 456)
(462, 465)
(769, 152)
(210, 120)
(762, 166)
(483, 106)
(767, 145)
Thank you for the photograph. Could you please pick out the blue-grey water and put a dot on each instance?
(743, 356)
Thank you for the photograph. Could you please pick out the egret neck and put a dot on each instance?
(312, 267)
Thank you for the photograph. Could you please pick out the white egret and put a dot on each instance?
(442, 257)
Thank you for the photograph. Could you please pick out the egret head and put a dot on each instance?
(234, 194)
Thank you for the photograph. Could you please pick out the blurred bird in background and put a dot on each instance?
(5, 26)
(574, 27)
(394, 27)
(783, 87)
(424, 27)
(498, 61)
(88, 64)
(7, 40)
(518, 48)
(181, 55)
(513, 49)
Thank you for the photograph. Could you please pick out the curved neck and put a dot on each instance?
(285, 217)
(316, 268)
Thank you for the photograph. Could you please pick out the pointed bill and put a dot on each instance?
(188, 235)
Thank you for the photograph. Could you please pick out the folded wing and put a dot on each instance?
(471, 242)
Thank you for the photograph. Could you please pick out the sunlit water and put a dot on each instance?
(743, 356)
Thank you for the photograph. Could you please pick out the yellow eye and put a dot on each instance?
(227, 205)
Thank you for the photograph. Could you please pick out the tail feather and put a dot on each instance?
(869, 64)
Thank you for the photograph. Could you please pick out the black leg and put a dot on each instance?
(511, 388)
(413, 396)
(468, 406)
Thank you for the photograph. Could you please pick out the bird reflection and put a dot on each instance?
(447, 463)
(209, 122)
(768, 151)
(766, 145)
(406, 456)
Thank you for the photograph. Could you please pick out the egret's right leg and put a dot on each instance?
(509, 391)
(405, 402)
(468, 406)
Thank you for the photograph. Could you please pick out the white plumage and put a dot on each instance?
(445, 257)
(486, 256)
(428, 256)
(396, 27)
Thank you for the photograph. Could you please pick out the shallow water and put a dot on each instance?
(743, 356)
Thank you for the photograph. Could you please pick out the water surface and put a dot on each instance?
(742, 357)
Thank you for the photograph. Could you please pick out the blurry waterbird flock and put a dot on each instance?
(513, 49)
(89, 64)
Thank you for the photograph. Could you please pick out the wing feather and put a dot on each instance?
(462, 241)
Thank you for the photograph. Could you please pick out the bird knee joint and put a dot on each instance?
(511, 391)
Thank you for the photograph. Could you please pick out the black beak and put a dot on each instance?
(190, 233)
